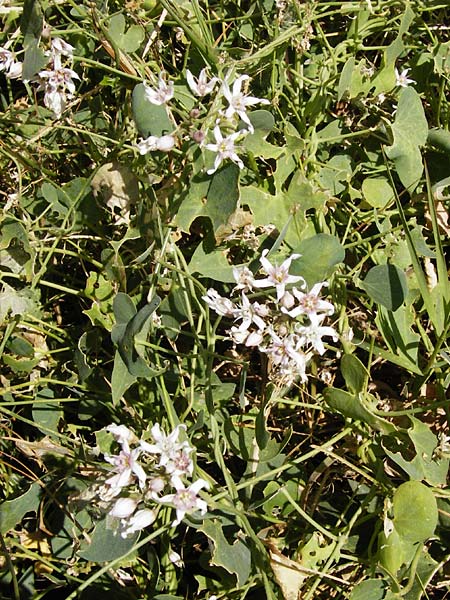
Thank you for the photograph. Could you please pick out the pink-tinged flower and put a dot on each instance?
(175, 558)
(165, 143)
(162, 94)
(121, 433)
(201, 86)
(309, 303)
(222, 306)
(244, 279)
(59, 46)
(225, 148)
(9, 64)
(284, 350)
(141, 519)
(238, 101)
(180, 463)
(243, 336)
(277, 275)
(185, 500)
(123, 508)
(251, 312)
(155, 486)
(15, 70)
(401, 79)
(58, 86)
(167, 446)
(312, 334)
(126, 467)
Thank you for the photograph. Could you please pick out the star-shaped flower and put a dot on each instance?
(201, 86)
(238, 101)
(225, 148)
(401, 79)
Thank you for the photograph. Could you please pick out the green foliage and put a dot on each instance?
(327, 485)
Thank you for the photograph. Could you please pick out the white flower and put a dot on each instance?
(312, 334)
(121, 433)
(277, 276)
(283, 350)
(225, 148)
(175, 558)
(238, 101)
(185, 500)
(155, 486)
(286, 354)
(59, 79)
(222, 306)
(9, 64)
(401, 79)
(167, 446)
(244, 279)
(242, 336)
(309, 303)
(59, 88)
(141, 519)
(59, 46)
(162, 94)
(126, 468)
(123, 508)
(251, 313)
(201, 86)
(180, 463)
(165, 143)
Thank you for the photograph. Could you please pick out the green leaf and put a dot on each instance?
(193, 204)
(126, 340)
(174, 311)
(354, 373)
(133, 38)
(46, 411)
(116, 28)
(336, 173)
(22, 302)
(355, 407)
(415, 512)
(101, 292)
(262, 436)
(34, 60)
(377, 191)
(410, 131)
(439, 138)
(345, 78)
(386, 285)
(425, 466)
(212, 264)
(13, 511)
(223, 196)
(370, 589)
(121, 379)
(396, 328)
(319, 255)
(106, 545)
(393, 551)
(150, 119)
(235, 558)
(263, 123)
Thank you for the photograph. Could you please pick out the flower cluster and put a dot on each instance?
(9, 64)
(226, 118)
(57, 80)
(288, 327)
(144, 475)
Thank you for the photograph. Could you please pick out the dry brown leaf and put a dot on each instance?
(287, 573)
(119, 188)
